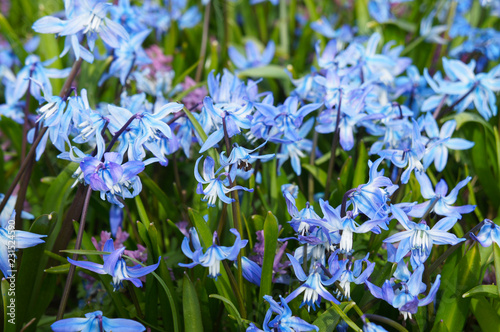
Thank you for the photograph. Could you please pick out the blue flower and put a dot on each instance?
(129, 54)
(251, 271)
(253, 56)
(213, 255)
(489, 233)
(443, 203)
(112, 178)
(95, 321)
(242, 158)
(216, 186)
(371, 198)
(439, 152)
(115, 266)
(406, 298)
(284, 321)
(351, 272)
(313, 285)
(11, 239)
(419, 238)
(89, 18)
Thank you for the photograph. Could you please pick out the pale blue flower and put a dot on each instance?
(254, 58)
(213, 255)
(489, 233)
(95, 321)
(115, 266)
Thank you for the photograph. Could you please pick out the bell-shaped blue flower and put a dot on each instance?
(213, 255)
(115, 266)
(95, 321)
(489, 233)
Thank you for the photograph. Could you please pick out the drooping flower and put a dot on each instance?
(313, 285)
(443, 203)
(419, 238)
(489, 233)
(217, 187)
(112, 178)
(213, 255)
(405, 297)
(115, 266)
(95, 321)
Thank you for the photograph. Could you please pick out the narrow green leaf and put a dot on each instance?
(360, 170)
(142, 211)
(181, 77)
(60, 269)
(318, 173)
(496, 258)
(362, 16)
(191, 306)
(344, 317)
(8, 33)
(328, 320)
(8, 299)
(482, 290)
(270, 242)
(486, 315)
(85, 252)
(231, 307)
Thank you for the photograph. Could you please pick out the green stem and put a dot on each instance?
(386, 321)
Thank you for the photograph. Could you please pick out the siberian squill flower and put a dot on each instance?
(213, 255)
(443, 204)
(254, 58)
(112, 178)
(13, 239)
(489, 233)
(334, 223)
(242, 158)
(216, 185)
(313, 285)
(284, 321)
(419, 238)
(129, 54)
(371, 198)
(406, 298)
(439, 152)
(351, 272)
(115, 266)
(95, 321)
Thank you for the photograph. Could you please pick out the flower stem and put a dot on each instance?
(71, 273)
(236, 207)
(203, 51)
(335, 142)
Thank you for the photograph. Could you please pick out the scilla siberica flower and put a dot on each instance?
(406, 298)
(216, 186)
(419, 238)
(112, 178)
(284, 321)
(115, 266)
(213, 255)
(11, 238)
(95, 321)
(242, 158)
(489, 233)
(442, 202)
(254, 58)
(313, 285)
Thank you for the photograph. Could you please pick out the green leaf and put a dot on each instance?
(486, 315)
(459, 275)
(8, 299)
(232, 309)
(270, 242)
(329, 319)
(269, 71)
(344, 317)
(60, 269)
(362, 16)
(85, 252)
(180, 78)
(496, 258)
(466, 117)
(191, 306)
(360, 171)
(8, 33)
(482, 290)
(318, 173)
(143, 215)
